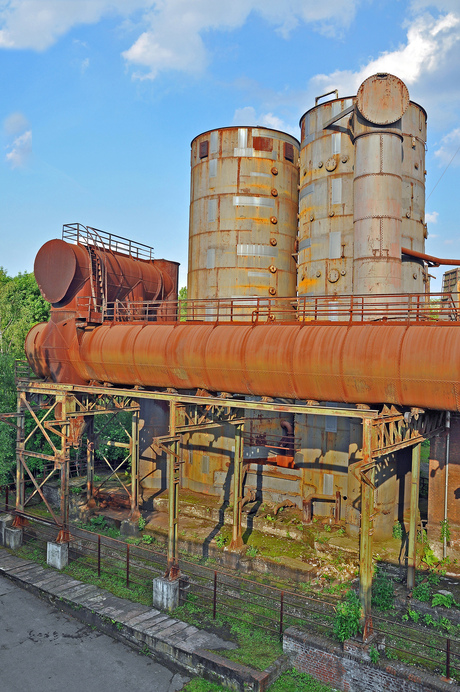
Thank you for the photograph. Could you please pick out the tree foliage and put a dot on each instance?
(21, 306)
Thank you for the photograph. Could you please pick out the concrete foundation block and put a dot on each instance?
(57, 555)
(13, 538)
(5, 521)
(165, 593)
(129, 528)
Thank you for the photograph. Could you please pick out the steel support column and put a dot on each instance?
(135, 467)
(237, 540)
(63, 461)
(20, 446)
(414, 495)
(89, 459)
(173, 500)
(367, 530)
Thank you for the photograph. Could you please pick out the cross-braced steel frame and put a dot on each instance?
(75, 407)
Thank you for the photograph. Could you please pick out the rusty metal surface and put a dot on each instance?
(407, 364)
(326, 247)
(382, 99)
(377, 213)
(61, 269)
(326, 202)
(65, 271)
(243, 213)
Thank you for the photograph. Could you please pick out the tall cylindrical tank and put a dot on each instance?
(327, 169)
(243, 213)
(325, 260)
(377, 185)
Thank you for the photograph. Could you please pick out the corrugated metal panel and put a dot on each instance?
(307, 191)
(214, 142)
(212, 210)
(253, 202)
(256, 250)
(336, 142)
(328, 484)
(330, 423)
(304, 244)
(335, 245)
(336, 190)
(211, 258)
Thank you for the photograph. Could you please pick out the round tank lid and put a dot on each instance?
(54, 269)
(382, 99)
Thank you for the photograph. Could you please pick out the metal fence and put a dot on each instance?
(222, 595)
(303, 309)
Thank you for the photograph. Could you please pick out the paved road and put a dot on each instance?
(43, 650)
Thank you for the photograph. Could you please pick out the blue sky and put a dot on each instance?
(101, 98)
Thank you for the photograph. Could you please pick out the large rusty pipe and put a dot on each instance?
(435, 261)
(402, 364)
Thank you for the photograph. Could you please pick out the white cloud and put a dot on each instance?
(448, 151)
(15, 123)
(37, 24)
(248, 116)
(431, 217)
(20, 150)
(429, 43)
(84, 65)
(174, 36)
(173, 31)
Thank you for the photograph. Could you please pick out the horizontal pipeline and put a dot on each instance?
(370, 363)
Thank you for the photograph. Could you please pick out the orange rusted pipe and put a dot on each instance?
(402, 364)
(435, 261)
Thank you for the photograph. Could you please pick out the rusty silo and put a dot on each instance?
(359, 207)
(243, 213)
(326, 201)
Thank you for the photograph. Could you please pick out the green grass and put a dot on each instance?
(85, 569)
(294, 681)
(256, 648)
(291, 681)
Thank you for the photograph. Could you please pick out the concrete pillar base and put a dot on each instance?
(57, 555)
(5, 521)
(165, 593)
(13, 538)
(129, 528)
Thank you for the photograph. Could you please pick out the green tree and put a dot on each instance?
(21, 306)
(183, 308)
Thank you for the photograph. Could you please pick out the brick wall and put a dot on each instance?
(349, 668)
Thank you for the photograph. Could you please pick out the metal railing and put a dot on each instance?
(87, 235)
(221, 594)
(303, 309)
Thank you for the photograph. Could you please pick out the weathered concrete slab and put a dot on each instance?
(174, 629)
(170, 640)
(148, 615)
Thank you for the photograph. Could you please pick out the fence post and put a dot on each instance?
(127, 566)
(281, 614)
(448, 659)
(98, 555)
(214, 601)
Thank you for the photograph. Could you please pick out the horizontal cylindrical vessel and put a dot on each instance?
(409, 365)
(243, 213)
(63, 270)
